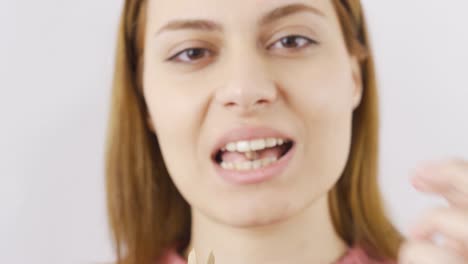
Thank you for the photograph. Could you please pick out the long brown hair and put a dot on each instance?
(146, 211)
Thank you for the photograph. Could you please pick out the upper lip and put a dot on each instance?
(247, 133)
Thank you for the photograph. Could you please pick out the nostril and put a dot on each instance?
(262, 101)
(230, 104)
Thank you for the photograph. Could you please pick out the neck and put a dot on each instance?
(308, 237)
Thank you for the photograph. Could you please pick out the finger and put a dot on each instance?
(422, 252)
(192, 257)
(448, 178)
(458, 247)
(451, 223)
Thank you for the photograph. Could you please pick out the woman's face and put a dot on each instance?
(282, 74)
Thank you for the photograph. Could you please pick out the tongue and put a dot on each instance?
(266, 153)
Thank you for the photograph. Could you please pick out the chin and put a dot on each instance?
(257, 214)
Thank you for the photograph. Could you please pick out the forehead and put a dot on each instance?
(236, 13)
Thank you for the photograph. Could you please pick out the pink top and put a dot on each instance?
(355, 255)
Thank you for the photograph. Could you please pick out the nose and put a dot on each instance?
(248, 88)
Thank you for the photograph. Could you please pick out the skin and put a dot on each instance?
(447, 178)
(244, 76)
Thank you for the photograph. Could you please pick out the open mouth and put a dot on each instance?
(252, 154)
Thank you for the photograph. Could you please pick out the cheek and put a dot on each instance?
(321, 86)
(175, 103)
(320, 92)
(176, 119)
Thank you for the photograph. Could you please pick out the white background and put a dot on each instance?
(56, 61)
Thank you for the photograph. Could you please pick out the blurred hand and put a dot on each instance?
(441, 235)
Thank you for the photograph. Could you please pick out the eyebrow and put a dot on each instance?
(211, 26)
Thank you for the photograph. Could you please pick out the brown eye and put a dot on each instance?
(294, 42)
(190, 55)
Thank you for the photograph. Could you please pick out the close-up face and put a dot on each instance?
(252, 105)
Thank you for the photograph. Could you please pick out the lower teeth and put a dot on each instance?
(248, 165)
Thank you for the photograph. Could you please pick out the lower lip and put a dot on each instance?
(257, 175)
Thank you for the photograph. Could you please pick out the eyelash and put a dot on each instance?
(308, 43)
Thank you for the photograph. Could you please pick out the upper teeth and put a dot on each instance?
(253, 145)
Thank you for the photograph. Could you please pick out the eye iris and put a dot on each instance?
(289, 41)
(195, 53)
